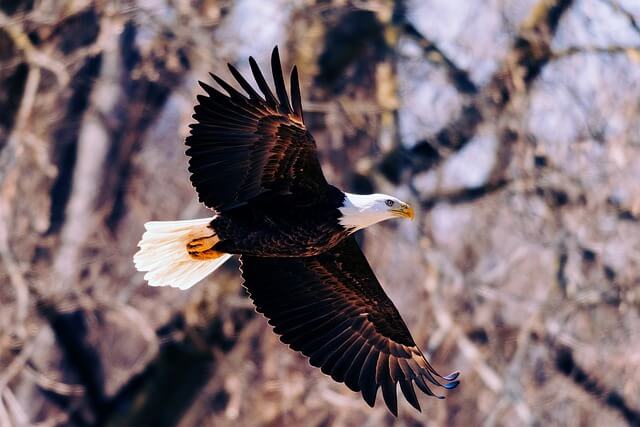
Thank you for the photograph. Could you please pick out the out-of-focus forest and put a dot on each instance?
(513, 127)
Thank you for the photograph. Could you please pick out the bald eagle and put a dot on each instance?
(253, 161)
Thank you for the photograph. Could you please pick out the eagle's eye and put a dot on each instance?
(388, 202)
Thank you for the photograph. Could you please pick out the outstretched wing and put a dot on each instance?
(243, 146)
(332, 308)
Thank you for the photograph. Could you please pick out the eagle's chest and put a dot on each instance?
(287, 233)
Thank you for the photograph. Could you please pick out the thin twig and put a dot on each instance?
(5, 420)
(47, 383)
(15, 408)
(33, 55)
(456, 75)
(446, 320)
(631, 51)
(16, 365)
(633, 20)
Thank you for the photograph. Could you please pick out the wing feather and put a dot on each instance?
(278, 79)
(367, 377)
(343, 364)
(253, 95)
(332, 309)
(233, 93)
(352, 375)
(296, 98)
(409, 393)
(244, 145)
(262, 83)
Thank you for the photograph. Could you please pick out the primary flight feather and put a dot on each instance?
(253, 161)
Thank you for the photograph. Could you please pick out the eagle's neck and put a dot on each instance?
(359, 211)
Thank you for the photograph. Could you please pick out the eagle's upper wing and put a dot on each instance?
(243, 146)
(331, 308)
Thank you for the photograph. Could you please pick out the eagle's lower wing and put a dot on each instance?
(244, 146)
(332, 309)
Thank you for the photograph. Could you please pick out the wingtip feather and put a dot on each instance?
(451, 385)
(278, 79)
(296, 97)
(452, 376)
(253, 95)
(262, 83)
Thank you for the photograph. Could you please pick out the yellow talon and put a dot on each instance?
(201, 248)
(205, 255)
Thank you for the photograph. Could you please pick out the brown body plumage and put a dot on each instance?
(307, 227)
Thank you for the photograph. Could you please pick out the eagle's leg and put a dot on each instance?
(201, 248)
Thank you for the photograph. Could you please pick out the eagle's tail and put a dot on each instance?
(178, 253)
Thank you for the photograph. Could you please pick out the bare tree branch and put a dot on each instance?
(92, 151)
(632, 51)
(33, 56)
(457, 76)
(633, 20)
(530, 52)
(566, 364)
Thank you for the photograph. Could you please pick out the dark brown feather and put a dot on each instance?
(409, 393)
(244, 147)
(367, 378)
(233, 93)
(253, 95)
(332, 309)
(278, 79)
(262, 83)
(296, 98)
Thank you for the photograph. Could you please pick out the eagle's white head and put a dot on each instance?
(362, 210)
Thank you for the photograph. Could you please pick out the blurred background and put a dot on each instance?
(513, 126)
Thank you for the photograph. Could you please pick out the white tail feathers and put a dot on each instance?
(163, 253)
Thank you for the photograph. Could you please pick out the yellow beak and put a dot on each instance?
(405, 211)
